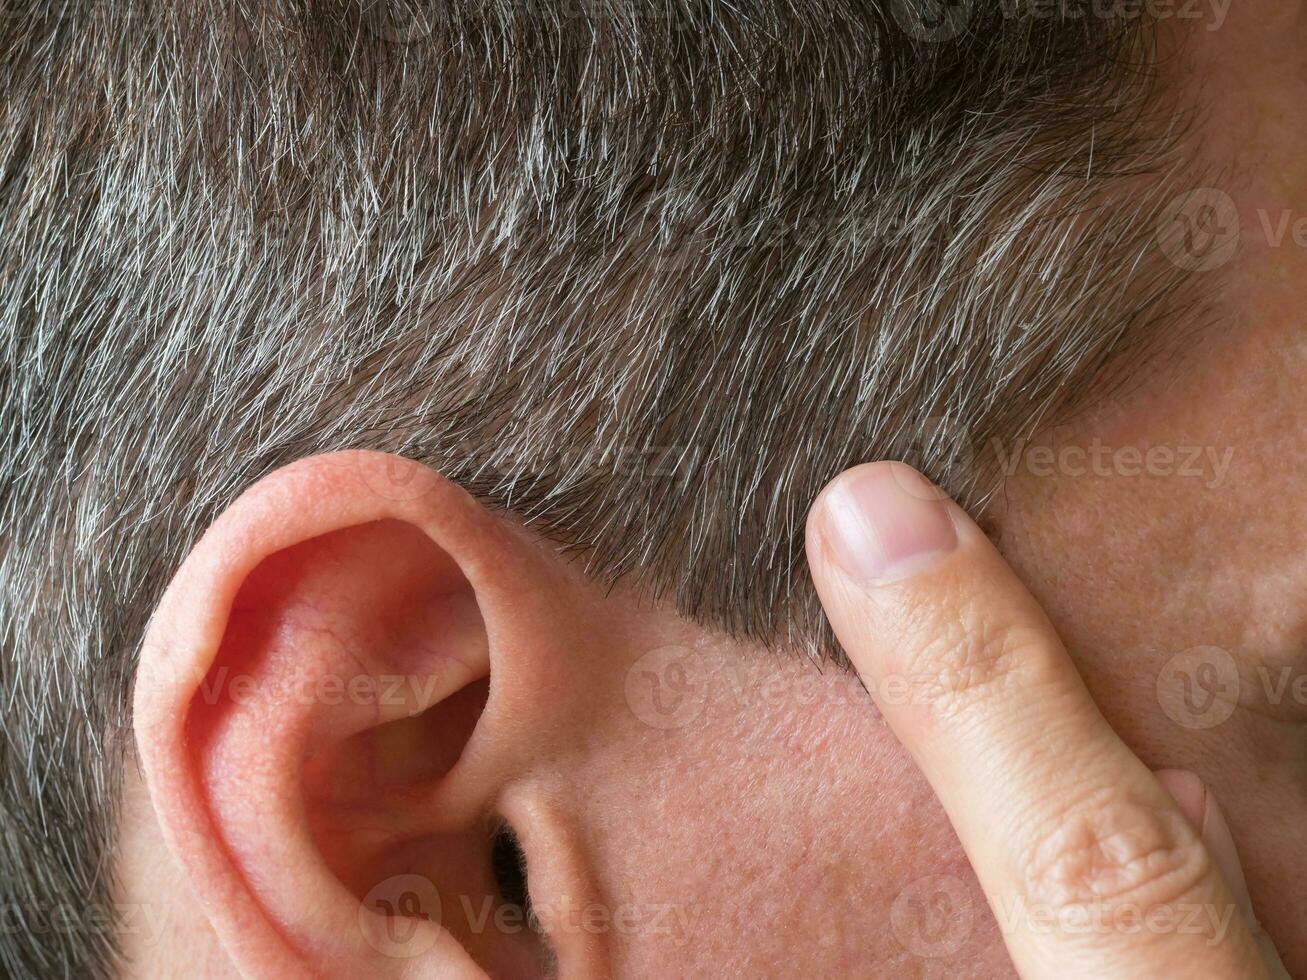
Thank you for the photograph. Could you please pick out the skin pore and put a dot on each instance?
(775, 824)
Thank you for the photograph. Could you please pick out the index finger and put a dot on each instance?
(1071, 836)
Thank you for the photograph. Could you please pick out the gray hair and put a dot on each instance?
(645, 273)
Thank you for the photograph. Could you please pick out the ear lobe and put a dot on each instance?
(305, 707)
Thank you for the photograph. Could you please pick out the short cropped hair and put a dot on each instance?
(643, 273)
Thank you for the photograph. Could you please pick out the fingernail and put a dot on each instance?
(884, 522)
(1220, 845)
(1204, 813)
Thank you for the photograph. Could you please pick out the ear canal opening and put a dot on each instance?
(384, 850)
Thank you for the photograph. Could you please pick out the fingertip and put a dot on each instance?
(1204, 814)
(881, 522)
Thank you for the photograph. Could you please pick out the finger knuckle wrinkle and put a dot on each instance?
(970, 660)
(1116, 854)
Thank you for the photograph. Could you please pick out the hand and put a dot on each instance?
(1057, 816)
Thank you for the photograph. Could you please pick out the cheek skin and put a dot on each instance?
(775, 829)
(1135, 569)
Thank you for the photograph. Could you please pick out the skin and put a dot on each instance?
(733, 811)
(1005, 731)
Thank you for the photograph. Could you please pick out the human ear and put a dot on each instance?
(332, 697)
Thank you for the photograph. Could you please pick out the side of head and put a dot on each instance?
(383, 732)
(605, 296)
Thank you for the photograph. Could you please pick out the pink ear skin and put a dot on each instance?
(312, 713)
